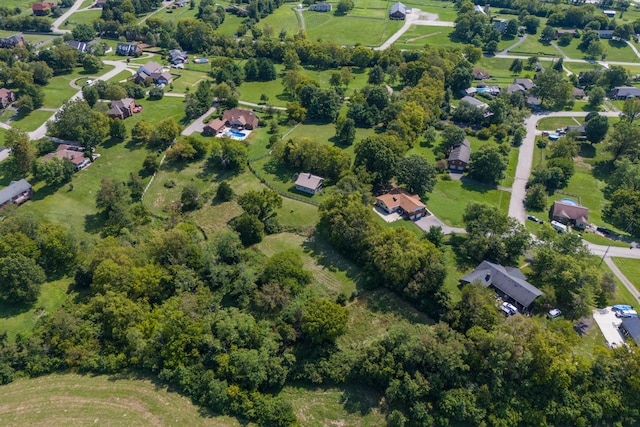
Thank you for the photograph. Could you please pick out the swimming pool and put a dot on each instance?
(235, 134)
(569, 202)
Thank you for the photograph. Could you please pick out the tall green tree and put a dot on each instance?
(22, 150)
(417, 174)
(487, 165)
(21, 279)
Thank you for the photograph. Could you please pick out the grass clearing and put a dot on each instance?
(420, 35)
(59, 90)
(81, 17)
(349, 29)
(71, 399)
(14, 320)
(32, 121)
(285, 18)
(449, 199)
(533, 46)
(630, 268)
(317, 407)
(553, 123)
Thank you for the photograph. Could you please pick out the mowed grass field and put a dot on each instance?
(630, 268)
(420, 35)
(70, 399)
(355, 27)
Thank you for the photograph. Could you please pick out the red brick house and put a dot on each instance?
(122, 108)
(42, 9)
(6, 97)
(402, 202)
(459, 156)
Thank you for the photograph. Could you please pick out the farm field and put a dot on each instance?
(71, 399)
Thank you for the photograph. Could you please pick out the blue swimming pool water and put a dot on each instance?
(483, 90)
(235, 134)
(569, 202)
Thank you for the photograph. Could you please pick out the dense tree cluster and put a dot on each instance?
(306, 155)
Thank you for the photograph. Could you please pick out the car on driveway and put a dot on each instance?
(535, 219)
(626, 313)
(621, 307)
(554, 313)
(509, 309)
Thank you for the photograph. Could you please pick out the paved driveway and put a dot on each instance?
(425, 223)
(608, 323)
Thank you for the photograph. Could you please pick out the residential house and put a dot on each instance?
(625, 92)
(402, 202)
(515, 88)
(480, 74)
(154, 72)
(240, 119)
(72, 153)
(321, 7)
(580, 131)
(42, 9)
(398, 11)
(508, 281)
(459, 156)
(14, 41)
(80, 46)
(534, 102)
(500, 25)
(6, 97)
(475, 102)
(578, 93)
(559, 33)
(122, 108)
(177, 56)
(609, 13)
(527, 84)
(308, 183)
(125, 49)
(17, 193)
(236, 10)
(213, 127)
(630, 328)
(570, 213)
(605, 34)
(479, 9)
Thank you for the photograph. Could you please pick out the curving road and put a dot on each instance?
(56, 24)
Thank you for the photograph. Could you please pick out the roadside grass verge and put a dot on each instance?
(631, 269)
(32, 121)
(71, 399)
(15, 320)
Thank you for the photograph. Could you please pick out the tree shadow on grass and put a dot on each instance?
(326, 256)
(478, 187)
(281, 173)
(463, 262)
(587, 151)
(111, 142)
(94, 223)
(383, 300)
(602, 169)
(8, 309)
(358, 401)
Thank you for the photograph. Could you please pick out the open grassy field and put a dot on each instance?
(532, 46)
(352, 406)
(615, 51)
(71, 399)
(498, 69)
(59, 90)
(576, 67)
(420, 35)
(32, 121)
(630, 268)
(553, 123)
(449, 199)
(350, 29)
(284, 18)
(15, 320)
(81, 17)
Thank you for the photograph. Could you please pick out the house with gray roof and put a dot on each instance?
(459, 156)
(625, 92)
(630, 328)
(475, 102)
(17, 193)
(507, 281)
(398, 11)
(308, 183)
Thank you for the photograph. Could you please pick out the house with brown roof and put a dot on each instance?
(72, 153)
(480, 74)
(570, 214)
(213, 127)
(459, 156)
(240, 119)
(17, 193)
(42, 9)
(573, 32)
(309, 183)
(122, 108)
(402, 202)
(6, 97)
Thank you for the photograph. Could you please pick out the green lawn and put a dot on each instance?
(284, 18)
(324, 406)
(532, 46)
(601, 240)
(15, 320)
(122, 75)
(349, 29)
(71, 399)
(576, 67)
(553, 123)
(231, 23)
(449, 199)
(32, 121)
(81, 17)
(630, 268)
(420, 35)
(59, 89)
(169, 14)
(498, 69)
(615, 50)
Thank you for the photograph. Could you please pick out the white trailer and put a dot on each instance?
(560, 227)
